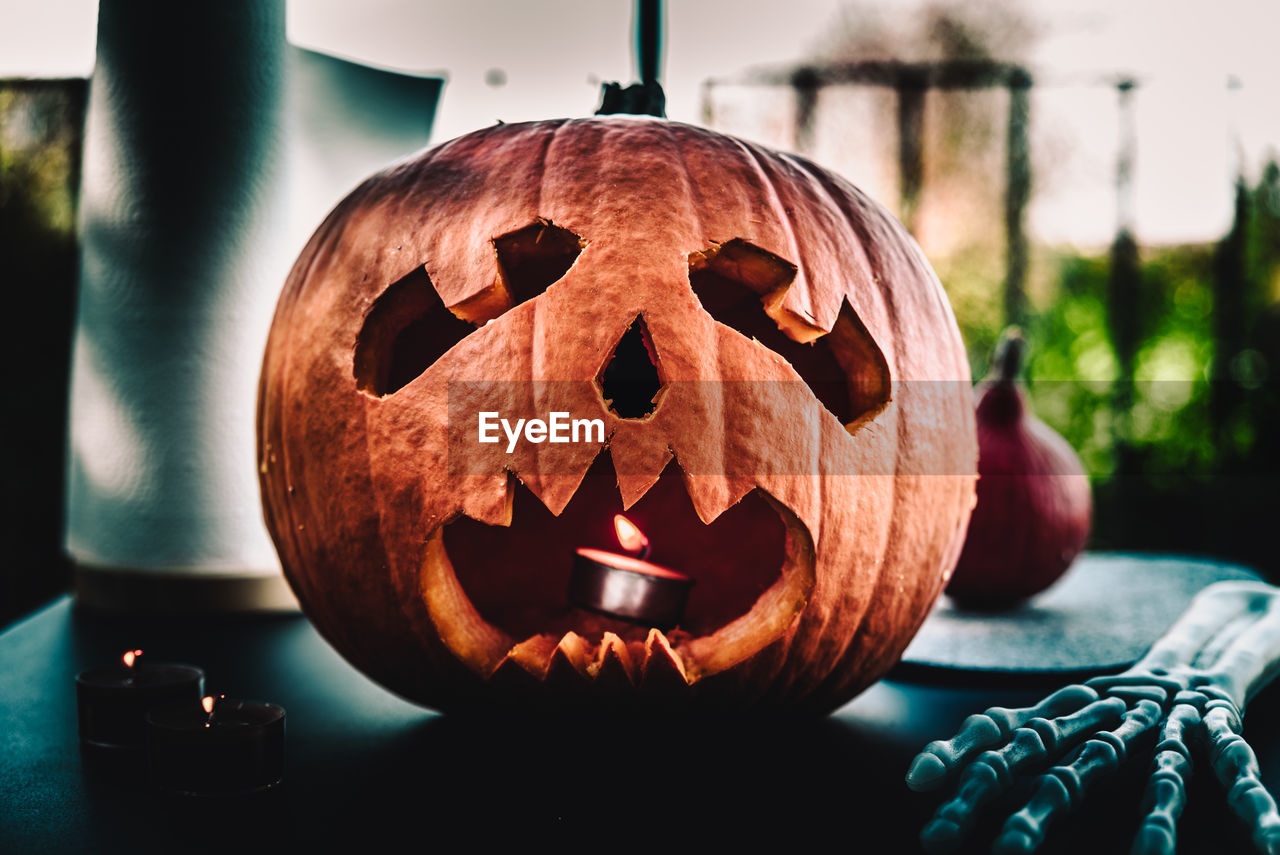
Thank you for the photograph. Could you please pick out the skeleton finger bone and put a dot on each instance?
(1166, 793)
(1062, 787)
(1035, 743)
(939, 758)
(1236, 767)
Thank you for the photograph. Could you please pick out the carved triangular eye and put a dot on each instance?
(409, 328)
(404, 334)
(531, 259)
(629, 381)
(742, 286)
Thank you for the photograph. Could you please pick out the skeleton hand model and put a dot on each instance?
(1193, 685)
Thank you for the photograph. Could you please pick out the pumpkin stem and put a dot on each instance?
(649, 40)
(645, 98)
(1006, 360)
(638, 99)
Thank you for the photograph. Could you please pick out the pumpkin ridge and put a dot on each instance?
(806, 314)
(326, 236)
(833, 680)
(795, 642)
(875, 264)
(863, 264)
(692, 190)
(893, 536)
(779, 212)
(543, 157)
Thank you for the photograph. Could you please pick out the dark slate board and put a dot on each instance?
(1100, 617)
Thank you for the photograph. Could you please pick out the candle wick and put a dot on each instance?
(644, 551)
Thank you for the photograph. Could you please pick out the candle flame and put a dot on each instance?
(130, 656)
(209, 702)
(630, 535)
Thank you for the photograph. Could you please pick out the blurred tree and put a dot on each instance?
(951, 142)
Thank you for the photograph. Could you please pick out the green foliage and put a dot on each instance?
(1184, 449)
(38, 154)
(969, 275)
(1072, 366)
(1073, 369)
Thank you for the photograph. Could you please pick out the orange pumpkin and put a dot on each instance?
(783, 389)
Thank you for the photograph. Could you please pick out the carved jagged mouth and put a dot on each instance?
(497, 594)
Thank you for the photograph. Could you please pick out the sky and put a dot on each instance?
(526, 59)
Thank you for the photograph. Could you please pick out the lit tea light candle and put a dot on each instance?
(113, 701)
(628, 586)
(216, 747)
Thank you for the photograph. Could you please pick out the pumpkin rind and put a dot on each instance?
(355, 485)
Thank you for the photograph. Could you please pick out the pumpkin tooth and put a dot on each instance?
(568, 664)
(487, 498)
(554, 490)
(613, 665)
(632, 486)
(663, 669)
(637, 461)
(533, 654)
(511, 676)
(712, 495)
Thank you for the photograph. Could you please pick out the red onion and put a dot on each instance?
(1034, 505)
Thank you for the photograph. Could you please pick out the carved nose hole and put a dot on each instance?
(629, 381)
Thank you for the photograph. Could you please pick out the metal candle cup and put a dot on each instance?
(625, 587)
(236, 749)
(112, 702)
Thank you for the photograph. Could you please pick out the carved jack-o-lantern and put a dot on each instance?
(782, 387)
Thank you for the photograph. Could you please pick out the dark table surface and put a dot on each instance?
(369, 772)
